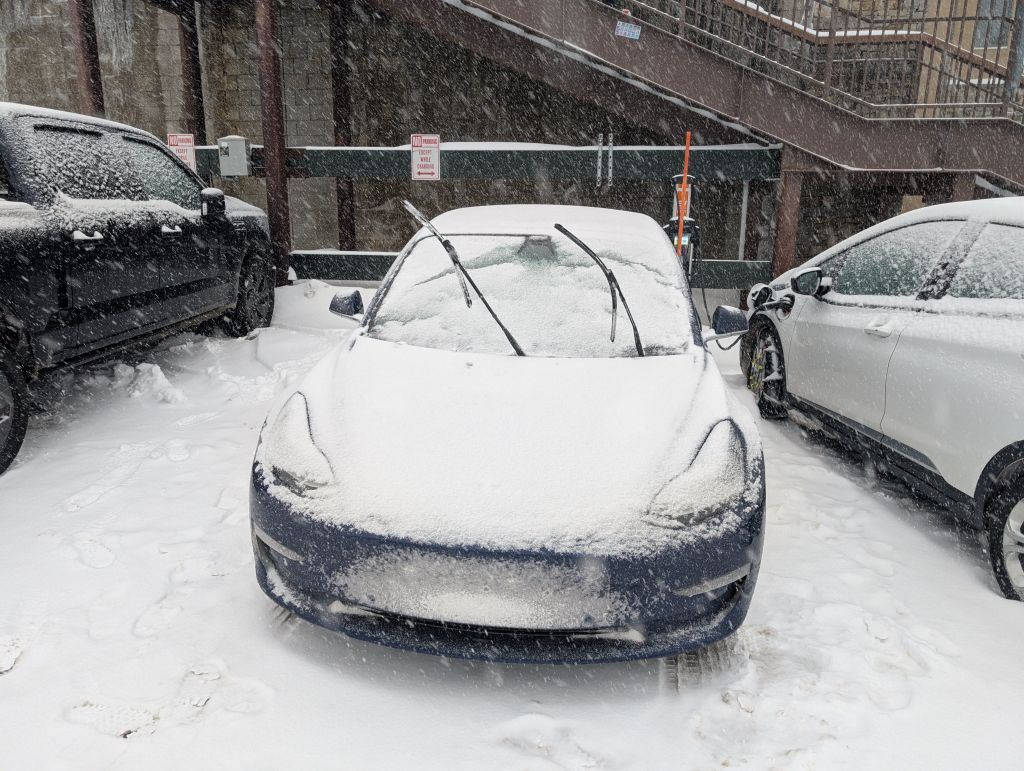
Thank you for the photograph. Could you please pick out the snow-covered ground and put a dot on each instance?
(133, 634)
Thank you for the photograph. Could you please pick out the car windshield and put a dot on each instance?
(549, 293)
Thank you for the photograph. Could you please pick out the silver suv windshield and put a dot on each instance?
(547, 291)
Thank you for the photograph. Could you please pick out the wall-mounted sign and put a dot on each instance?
(426, 156)
(627, 29)
(184, 146)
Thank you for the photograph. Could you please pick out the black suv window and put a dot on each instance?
(83, 164)
(994, 268)
(895, 264)
(162, 177)
(6, 191)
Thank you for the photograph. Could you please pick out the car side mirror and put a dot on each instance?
(347, 304)
(759, 294)
(810, 282)
(214, 206)
(727, 322)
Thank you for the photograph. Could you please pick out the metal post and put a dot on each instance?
(681, 21)
(1015, 64)
(87, 58)
(787, 221)
(830, 52)
(272, 113)
(743, 220)
(341, 15)
(193, 105)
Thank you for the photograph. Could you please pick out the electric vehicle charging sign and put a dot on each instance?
(426, 156)
(184, 146)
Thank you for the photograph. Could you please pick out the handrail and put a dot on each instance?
(820, 52)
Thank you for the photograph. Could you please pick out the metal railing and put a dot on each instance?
(878, 58)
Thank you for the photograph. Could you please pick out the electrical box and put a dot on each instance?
(234, 156)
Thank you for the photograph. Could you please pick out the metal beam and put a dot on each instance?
(488, 161)
(272, 112)
(87, 58)
(331, 265)
(341, 16)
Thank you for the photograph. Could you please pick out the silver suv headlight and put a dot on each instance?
(716, 480)
(289, 452)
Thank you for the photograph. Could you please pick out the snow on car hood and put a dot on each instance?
(500, 451)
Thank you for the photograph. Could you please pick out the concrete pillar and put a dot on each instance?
(87, 58)
(272, 113)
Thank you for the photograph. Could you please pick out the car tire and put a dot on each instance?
(1006, 538)
(254, 306)
(13, 409)
(766, 376)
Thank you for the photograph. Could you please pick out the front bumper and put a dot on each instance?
(517, 607)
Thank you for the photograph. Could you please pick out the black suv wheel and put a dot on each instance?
(13, 409)
(254, 307)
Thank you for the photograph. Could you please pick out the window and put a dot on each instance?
(896, 263)
(6, 191)
(992, 29)
(83, 164)
(163, 179)
(994, 268)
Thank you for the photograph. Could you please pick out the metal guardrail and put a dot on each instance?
(332, 265)
(878, 58)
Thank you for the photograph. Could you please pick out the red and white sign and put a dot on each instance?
(426, 156)
(184, 146)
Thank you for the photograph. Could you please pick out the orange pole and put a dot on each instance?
(683, 195)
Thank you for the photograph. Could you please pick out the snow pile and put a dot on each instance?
(147, 381)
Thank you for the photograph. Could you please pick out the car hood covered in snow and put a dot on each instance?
(500, 451)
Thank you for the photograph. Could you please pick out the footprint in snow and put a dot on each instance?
(18, 631)
(11, 649)
(92, 552)
(540, 737)
(114, 720)
(203, 689)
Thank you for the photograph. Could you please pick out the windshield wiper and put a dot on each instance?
(462, 274)
(613, 287)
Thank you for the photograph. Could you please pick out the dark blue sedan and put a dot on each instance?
(524, 454)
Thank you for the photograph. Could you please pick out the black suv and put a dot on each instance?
(106, 239)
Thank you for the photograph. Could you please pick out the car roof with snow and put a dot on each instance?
(1007, 211)
(541, 218)
(11, 110)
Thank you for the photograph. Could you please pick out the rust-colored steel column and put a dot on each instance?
(341, 16)
(787, 221)
(193, 104)
(272, 112)
(87, 58)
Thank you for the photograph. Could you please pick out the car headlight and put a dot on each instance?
(290, 453)
(716, 480)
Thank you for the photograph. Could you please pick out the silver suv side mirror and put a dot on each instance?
(810, 282)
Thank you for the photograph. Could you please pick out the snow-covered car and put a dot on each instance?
(541, 475)
(108, 240)
(907, 340)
